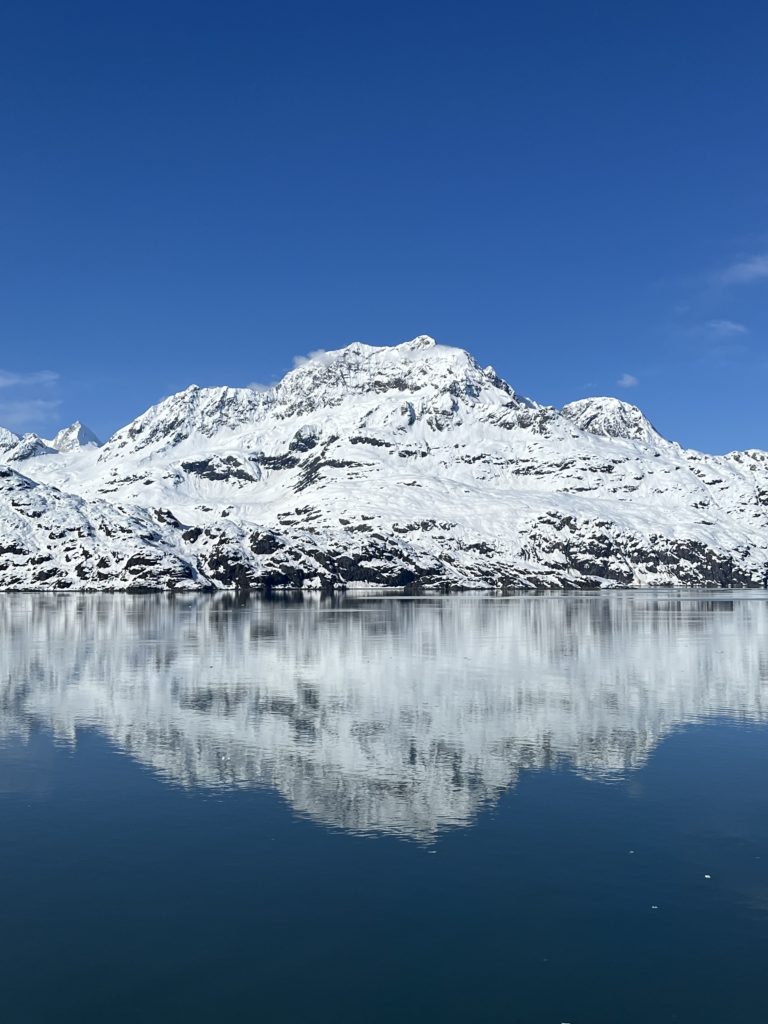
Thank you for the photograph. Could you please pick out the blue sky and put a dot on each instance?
(575, 192)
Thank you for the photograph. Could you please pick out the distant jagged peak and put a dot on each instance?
(76, 435)
(28, 447)
(8, 439)
(610, 417)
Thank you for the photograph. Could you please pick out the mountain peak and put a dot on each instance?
(420, 366)
(371, 382)
(611, 417)
(422, 341)
(76, 435)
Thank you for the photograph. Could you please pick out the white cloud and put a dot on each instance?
(16, 380)
(627, 380)
(725, 328)
(22, 414)
(745, 271)
(318, 355)
(259, 388)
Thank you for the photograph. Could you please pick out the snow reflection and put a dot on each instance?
(381, 714)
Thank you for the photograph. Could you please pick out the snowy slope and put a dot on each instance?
(404, 465)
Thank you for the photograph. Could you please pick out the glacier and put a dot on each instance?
(394, 466)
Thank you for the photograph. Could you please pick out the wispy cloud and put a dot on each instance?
(725, 328)
(627, 380)
(755, 268)
(9, 379)
(19, 415)
(28, 399)
(318, 355)
(259, 388)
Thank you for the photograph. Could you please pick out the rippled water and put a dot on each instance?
(532, 808)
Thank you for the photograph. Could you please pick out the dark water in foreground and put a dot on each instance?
(525, 809)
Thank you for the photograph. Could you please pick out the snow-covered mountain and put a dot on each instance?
(395, 466)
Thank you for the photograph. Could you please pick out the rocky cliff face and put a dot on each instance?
(401, 466)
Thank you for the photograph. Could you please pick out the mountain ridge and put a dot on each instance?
(407, 465)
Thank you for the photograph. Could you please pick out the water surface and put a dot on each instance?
(531, 808)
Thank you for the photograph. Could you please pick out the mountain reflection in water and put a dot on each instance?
(381, 714)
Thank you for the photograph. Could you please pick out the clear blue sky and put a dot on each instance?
(576, 192)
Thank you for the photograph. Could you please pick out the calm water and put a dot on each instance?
(385, 809)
